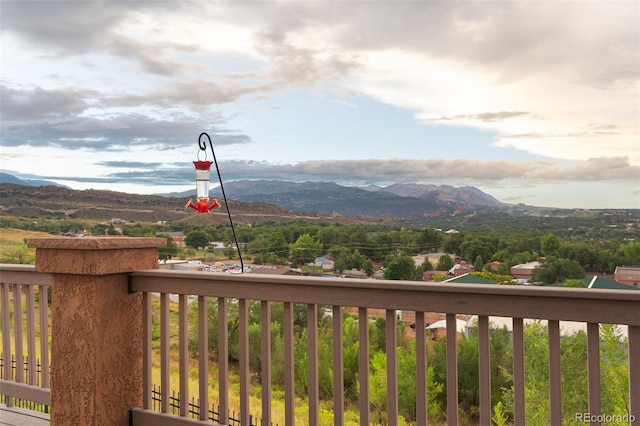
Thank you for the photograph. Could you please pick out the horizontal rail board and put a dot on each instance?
(547, 303)
(23, 391)
(140, 417)
(23, 274)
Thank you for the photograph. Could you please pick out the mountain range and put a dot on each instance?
(399, 200)
(7, 178)
(257, 200)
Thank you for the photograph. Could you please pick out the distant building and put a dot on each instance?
(216, 245)
(176, 237)
(460, 269)
(494, 265)
(628, 275)
(323, 262)
(524, 270)
(433, 258)
(183, 265)
(468, 279)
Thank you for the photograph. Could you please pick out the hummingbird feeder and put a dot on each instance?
(204, 204)
(203, 180)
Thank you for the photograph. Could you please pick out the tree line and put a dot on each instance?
(368, 247)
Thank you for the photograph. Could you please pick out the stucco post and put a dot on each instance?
(96, 343)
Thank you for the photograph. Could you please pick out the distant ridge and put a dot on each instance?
(468, 194)
(7, 178)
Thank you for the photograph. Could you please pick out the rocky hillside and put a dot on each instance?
(58, 202)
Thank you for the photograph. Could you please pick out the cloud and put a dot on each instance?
(41, 104)
(75, 27)
(454, 172)
(483, 116)
(115, 132)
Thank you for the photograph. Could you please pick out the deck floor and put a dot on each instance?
(21, 417)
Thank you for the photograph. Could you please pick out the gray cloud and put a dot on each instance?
(593, 169)
(455, 172)
(196, 95)
(75, 27)
(118, 132)
(41, 104)
(510, 39)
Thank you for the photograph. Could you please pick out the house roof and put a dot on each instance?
(602, 283)
(469, 279)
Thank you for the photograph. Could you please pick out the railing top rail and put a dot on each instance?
(23, 274)
(17, 267)
(571, 304)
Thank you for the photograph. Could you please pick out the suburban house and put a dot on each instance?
(323, 262)
(433, 258)
(176, 237)
(628, 275)
(467, 278)
(523, 271)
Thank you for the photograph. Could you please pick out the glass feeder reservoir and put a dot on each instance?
(203, 178)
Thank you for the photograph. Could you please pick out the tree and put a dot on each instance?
(575, 283)
(445, 263)
(196, 239)
(550, 245)
(553, 270)
(304, 250)
(427, 265)
(168, 252)
(631, 251)
(367, 267)
(400, 268)
(478, 264)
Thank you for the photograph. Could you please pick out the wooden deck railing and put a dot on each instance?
(19, 286)
(517, 302)
(24, 302)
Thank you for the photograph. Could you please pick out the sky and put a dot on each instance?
(533, 102)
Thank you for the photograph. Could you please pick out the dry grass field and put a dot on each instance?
(13, 248)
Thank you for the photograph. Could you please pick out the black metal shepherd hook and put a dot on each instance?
(203, 146)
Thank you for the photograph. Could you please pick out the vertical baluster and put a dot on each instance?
(593, 368)
(6, 338)
(223, 360)
(31, 335)
(338, 367)
(452, 370)
(518, 372)
(289, 387)
(146, 350)
(17, 327)
(363, 361)
(164, 353)
(203, 357)
(484, 368)
(44, 334)
(183, 348)
(312, 354)
(243, 347)
(421, 370)
(634, 372)
(265, 361)
(555, 375)
(392, 367)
